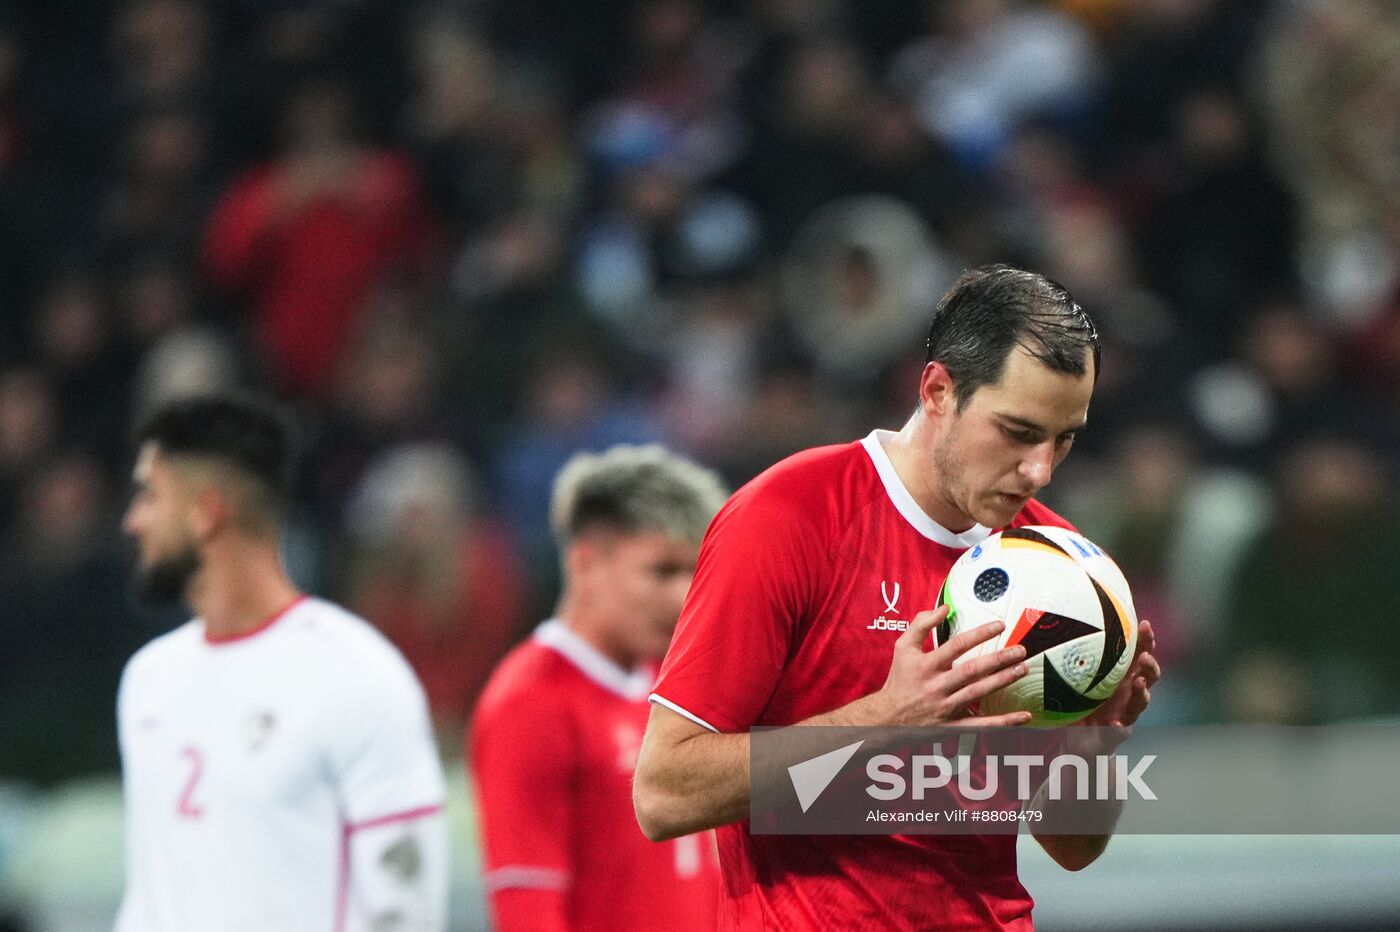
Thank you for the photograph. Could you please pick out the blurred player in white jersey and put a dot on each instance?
(278, 766)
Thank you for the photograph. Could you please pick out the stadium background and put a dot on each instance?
(469, 238)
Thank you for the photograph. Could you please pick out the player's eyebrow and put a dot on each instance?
(1030, 425)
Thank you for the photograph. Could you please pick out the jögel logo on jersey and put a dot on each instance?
(890, 596)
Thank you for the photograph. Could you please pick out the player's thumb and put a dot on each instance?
(920, 627)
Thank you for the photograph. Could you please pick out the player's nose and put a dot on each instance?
(131, 521)
(1038, 465)
(676, 600)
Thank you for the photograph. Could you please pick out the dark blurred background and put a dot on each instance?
(469, 238)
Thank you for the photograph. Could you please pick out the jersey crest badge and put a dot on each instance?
(258, 729)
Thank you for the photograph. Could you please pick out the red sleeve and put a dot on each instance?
(522, 755)
(752, 589)
(522, 910)
(236, 229)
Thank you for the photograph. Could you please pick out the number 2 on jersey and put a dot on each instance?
(187, 808)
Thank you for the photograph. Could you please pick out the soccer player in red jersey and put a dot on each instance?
(806, 608)
(556, 734)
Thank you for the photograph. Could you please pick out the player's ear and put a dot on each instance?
(210, 511)
(589, 552)
(936, 395)
(581, 556)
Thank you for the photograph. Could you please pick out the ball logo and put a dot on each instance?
(991, 584)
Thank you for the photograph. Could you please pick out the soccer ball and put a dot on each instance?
(1061, 598)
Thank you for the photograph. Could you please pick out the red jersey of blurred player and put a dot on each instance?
(556, 734)
(555, 744)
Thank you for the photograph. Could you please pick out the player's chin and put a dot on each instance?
(999, 509)
(662, 641)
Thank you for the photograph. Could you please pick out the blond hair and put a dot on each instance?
(635, 488)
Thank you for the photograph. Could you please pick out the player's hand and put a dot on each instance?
(924, 688)
(1130, 699)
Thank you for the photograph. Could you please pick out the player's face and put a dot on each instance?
(1005, 445)
(159, 519)
(641, 583)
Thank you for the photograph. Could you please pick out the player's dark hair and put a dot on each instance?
(250, 435)
(993, 308)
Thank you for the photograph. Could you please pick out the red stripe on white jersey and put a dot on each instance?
(342, 885)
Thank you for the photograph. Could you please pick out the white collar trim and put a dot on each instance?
(557, 636)
(904, 503)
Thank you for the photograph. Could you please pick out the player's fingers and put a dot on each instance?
(1147, 638)
(1096, 739)
(976, 668)
(1008, 720)
(919, 628)
(1148, 668)
(964, 642)
(1137, 702)
(1115, 734)
(997, 678)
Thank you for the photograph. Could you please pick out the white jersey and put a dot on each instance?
(250, 764)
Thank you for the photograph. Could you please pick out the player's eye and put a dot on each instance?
(1022, 436)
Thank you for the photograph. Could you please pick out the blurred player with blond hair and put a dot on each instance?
(559, 726)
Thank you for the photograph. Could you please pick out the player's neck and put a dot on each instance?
(594, 632)
(238, 588)
(910, 454)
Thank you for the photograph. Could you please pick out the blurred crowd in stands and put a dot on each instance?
(469, 238)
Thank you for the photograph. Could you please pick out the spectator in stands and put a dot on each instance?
(439, 578)
(62, 568)
(1310, 627)
(306, 236)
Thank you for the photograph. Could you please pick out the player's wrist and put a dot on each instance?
(877, 708)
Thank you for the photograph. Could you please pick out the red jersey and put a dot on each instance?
(804, 579)
(554, 747)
